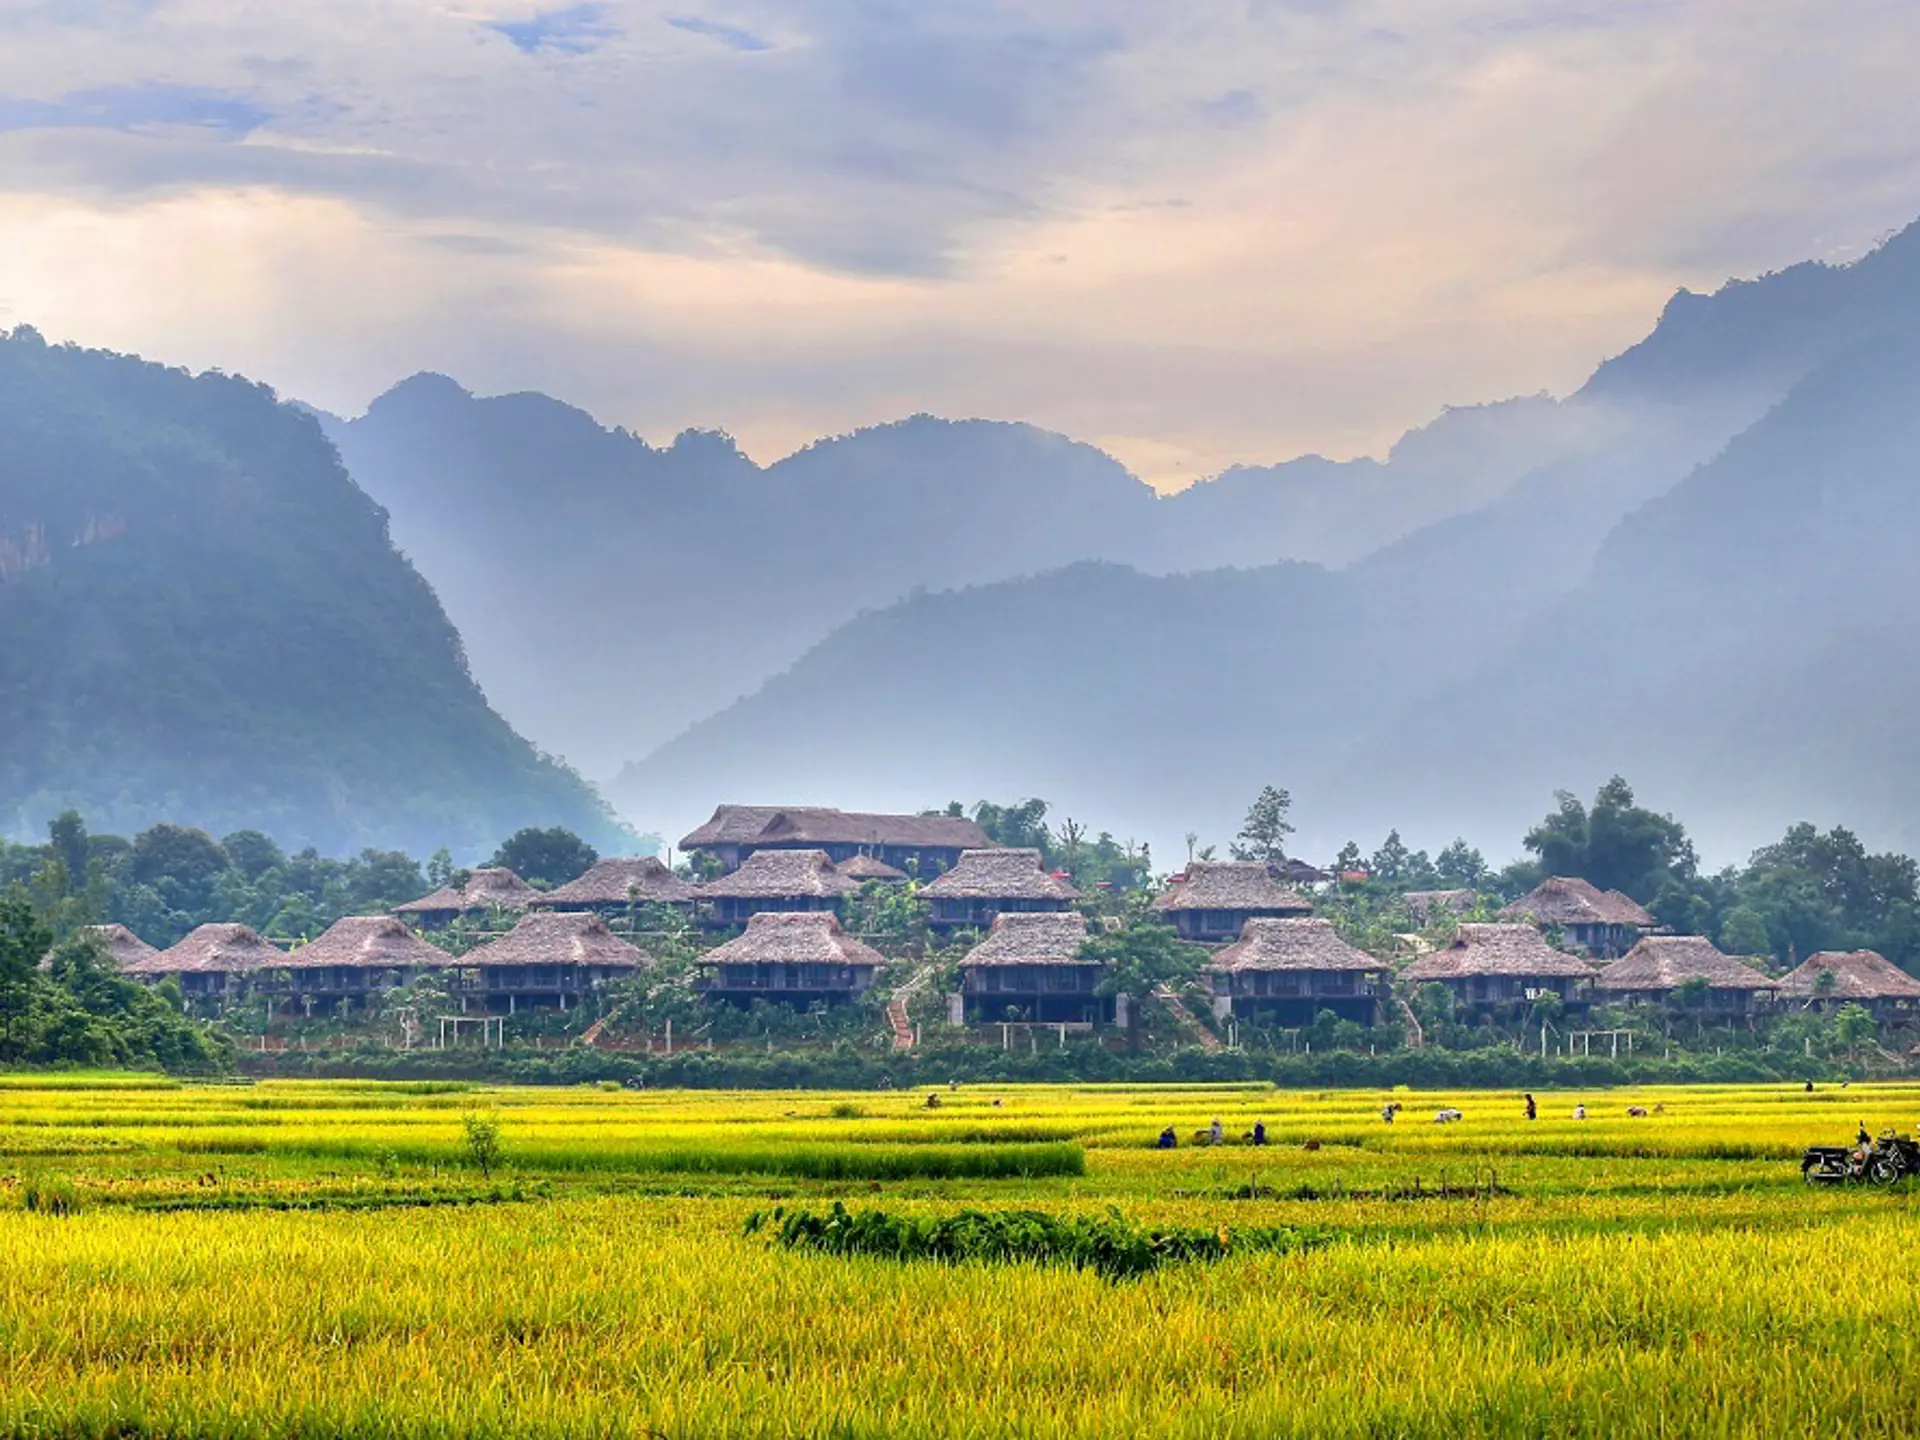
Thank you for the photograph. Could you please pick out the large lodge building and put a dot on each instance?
(778, 896)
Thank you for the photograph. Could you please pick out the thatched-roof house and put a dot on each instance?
(496, 888)
(356, 955)
(1858, 977)
(1292, 969)
(1490, 967)
(210, 958)
(927, 844)
(795, 959)
(1215, 899)
(1601, 922)
(862, 868)
(1660, 965)
(1030, 968)
(986, 883)
(776, 882)
(613, 885)
(1428, 905)
(119, 944)
(550, 958)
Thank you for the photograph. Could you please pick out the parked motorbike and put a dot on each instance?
(1884, 1160)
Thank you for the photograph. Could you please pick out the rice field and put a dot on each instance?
(327, 1259)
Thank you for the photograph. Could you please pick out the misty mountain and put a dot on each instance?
(1744, 647)
(202, 619)
(611, 593)
(1710, 601)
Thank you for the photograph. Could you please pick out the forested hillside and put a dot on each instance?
(202, 618)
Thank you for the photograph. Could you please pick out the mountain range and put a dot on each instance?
(203, 619)
(1691, 571)
(1710, 595)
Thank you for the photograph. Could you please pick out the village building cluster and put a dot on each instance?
(782, 877)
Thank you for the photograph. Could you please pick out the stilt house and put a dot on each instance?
(987, 883)
(1292, 969)
(1214, 899)
(1030, 968)
(794, 959)
(1501, 969)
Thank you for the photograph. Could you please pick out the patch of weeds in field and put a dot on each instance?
(1111, 1247)
(51, 1195)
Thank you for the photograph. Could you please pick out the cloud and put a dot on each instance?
(731, 36)
(1207, 233)
(576, 30)
(136, 107)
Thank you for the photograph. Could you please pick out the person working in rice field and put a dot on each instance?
(1216, 1133)
(1580, 1112)
(1259, 1132)
(1533, 1110)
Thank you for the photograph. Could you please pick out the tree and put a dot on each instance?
(545, 857)
(23, 940)
(1852, 1024)
(1348, 859)
(1617, 845)
(1744, 932)
(1263, 836)
(440, 869)
(1461, 867)
(1139, 955)
(67, 834)
(180, 853)
(1021, 825)
(252, 853)
(1394, 864)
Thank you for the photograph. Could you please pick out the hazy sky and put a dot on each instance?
(1192, 232)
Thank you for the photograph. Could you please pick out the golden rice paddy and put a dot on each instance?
(326, 1259)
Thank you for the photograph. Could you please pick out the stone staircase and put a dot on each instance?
(898, 1018)
(1185, 1019)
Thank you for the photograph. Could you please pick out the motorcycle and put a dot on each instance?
(1883, 1161)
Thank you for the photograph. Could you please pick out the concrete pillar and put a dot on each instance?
(1122, 1004)
(1222, 1006)
(956, 1008)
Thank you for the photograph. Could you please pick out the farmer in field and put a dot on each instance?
(1533, 1110)
(1580, 1112)
(1168, 1139)
(1216, 1133)
(1259, 1132)
(1386, 1112)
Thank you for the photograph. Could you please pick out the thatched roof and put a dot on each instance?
(1230, 885)
(1424, 903)
(808, 938)
(120, 945)
(557, 937)
(1857, 975)
(214, 950)
(1491, 950)
(368, 942)
(818, 825)
(641, 881)
(1288, 944)
(1666, 962)
(1561, 900)
(484, 890)
(1024, 938)
(781, 875)
(999, 875)
(865, 867)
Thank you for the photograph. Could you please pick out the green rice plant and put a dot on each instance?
(1109, 1246)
